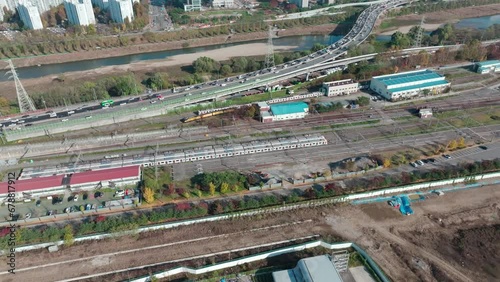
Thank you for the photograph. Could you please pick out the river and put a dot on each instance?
(476, 23)
(300, 42)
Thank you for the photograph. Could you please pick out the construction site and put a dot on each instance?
(453, 237)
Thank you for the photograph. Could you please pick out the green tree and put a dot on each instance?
(225, 70)
(400, 40)
(205, 65)
(363, 101)
(211, 188)
(239, 64)
(224, 188)
(68, 235)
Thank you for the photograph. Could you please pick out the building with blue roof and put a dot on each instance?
(289, 111)
(487, 66)
(408, 84)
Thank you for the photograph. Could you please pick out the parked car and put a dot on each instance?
(432, 160)
(119, 193)
(447, 156)
(413, 164)
(483, 147)
(75, 198)
(419, 162)
(98, 195)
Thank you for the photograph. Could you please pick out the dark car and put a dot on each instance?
(483, 147)
(431, 160)
(98, 195)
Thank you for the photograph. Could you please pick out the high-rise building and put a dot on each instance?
(42, 5)
(29, 15)
(222, 3)
(192, 5)
(102, 4)
(79, 12)
(120, 10)
(300, 3)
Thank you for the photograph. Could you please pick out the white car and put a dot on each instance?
(75, 198)
(153, 102)
(64, 119)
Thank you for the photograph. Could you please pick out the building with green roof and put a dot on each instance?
(487, 66)
(408, 84)
(289, 111)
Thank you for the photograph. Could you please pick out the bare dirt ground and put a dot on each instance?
(450, 238)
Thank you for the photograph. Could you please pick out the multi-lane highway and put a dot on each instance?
(230, 85)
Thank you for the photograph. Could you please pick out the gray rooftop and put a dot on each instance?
(314, 269)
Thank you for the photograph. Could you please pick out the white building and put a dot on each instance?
(313, 269)
(408, 84)
(192, 5)
(222, 3)
(289, 111)
(79, 12)
(300, 3)
(340, 87)
(120, 10)
(30, 15)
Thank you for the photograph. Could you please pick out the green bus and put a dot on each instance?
(107, 103)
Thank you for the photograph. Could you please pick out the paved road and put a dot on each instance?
(357, 35)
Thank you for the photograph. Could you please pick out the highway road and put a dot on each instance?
(215, 89)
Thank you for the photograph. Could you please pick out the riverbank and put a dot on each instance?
(164, 46)
(436, 19)
(173, 66)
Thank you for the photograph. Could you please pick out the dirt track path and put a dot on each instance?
(452, 271)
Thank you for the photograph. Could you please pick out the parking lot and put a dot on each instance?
(58, 204)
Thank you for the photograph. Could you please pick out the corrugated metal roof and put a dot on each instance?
(419, 86)
(289, 108)
(104, 175)
(407, 77)
(33, 184)
(314, 269)
(488, 63)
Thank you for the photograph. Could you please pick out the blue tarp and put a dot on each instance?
(405, 208)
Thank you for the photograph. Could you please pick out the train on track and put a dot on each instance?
(206, 115)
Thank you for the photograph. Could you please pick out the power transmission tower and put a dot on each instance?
(270, 50)
(418, 36)
(25, 103)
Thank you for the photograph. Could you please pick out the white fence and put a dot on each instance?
(249, 259)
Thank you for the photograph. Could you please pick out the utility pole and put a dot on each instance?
(24, 101)
(418, 36)
(269, 63)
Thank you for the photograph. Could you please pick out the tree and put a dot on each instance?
(68, 235)
(211, 189)
(461, 143)
(250, 112)
(235, 188)
(452, 145)
(225, 70)
(400, 40)
(387, 163)
(224, 188)
(204, 65)
(148, 195)
(363, 101)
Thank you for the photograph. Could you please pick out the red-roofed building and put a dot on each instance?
(34, 187)
(106, 177)
(88, 180)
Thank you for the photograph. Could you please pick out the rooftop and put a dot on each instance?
(407, 77)
(104, 175)
(339, 82)
(33, 184)
(419, 86)
(488, 63)
(314, 269)
(289, 108)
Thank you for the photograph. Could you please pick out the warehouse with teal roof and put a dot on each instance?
(406, 85)
(487, 66)
(285, 111)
